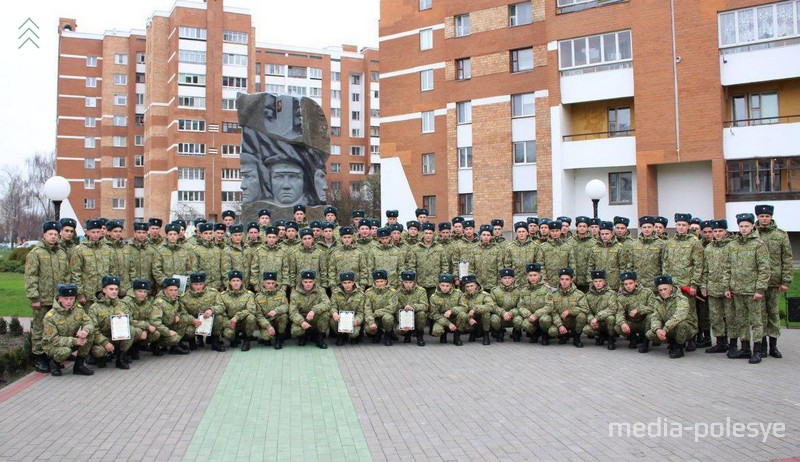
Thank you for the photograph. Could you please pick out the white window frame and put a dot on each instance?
(90, 122)
(428, 163)
(119, 183)
(336, 167)
(121, 59)
(138, 160)
(570, 45)
(466, 72)
(357, 151)
(464, 154)
(275, 69)
(336, 150)
(336, 76)
(426, 80)
(88, 183)
(91, 82)
(231, 174)
(192, 33)
(119, 162)
(191, 125)
(528, 148)
(120, 79)
(520, 54)
(357, 168)
(425, 5)
(461, 22)
(234, 36)
(464, 112)
(758, 36)
(88, 204)
(191, 173)
(425, 39)
(91, 61)
(120, 99)
(119, 141)
(513, 14)
(89, 142)
(228, 104)
(120, 121)
(429, 202)
(428, 122)
(89, 163)
(520, 102)
(90, 101)
(315, 73)
(192, 56)
(138, 140)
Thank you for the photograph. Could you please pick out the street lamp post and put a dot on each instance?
(57, 189)
(596, 190)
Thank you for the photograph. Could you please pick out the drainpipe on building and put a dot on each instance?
(675, 61)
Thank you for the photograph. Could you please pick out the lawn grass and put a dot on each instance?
(12, 296)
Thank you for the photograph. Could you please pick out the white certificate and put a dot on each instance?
(204, 329)
(406, 319)
(120, 327)
(183, 280)
(463, 269)
(346, 322)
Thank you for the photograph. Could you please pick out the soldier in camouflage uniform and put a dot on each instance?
(544, 230)
(171, 258)
(238, 316)
(716, 283)
(251, 244)
(309, 310)
(488, 258)
(46, 266)
(445, 238)
(458, 228)
(90, 262)
(497, 230)
(299, 214)
(636, 305)
(200, 299)
(582, 244)
(119, 258)
(291, 241)
(233, 255)
(447, 311)
(482, 313)
(594, 227)
(272, 311)
(646, 253)
(566, 222)
(462, 249)
(100, 312)
(660, 227)
(671, 321)
(412, 297)
(750, 275)
(271, 258)
(397, 237)
(412, 237)
(165, 316)
(345, 258)
(207, 256)
(220, 236)
(536, 306)
(603, 306)
(154, 237)
(683, 260)
(67, 239)
(523, 250)
(68, 331)
(347, 297)
(506, 296)
(380, 309)
(387, 257)
(569, 307)
(364, 241)
(609, 255)
(428, 259)
(556, 252)
(622, 233)
(308, 257)
(781, 273)
(141, 307)
(139, 255)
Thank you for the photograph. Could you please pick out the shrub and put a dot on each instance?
(15, 328)
(3, 326)
(19, 254)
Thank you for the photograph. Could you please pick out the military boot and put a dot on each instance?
(600, 338)
(633, 340)
(79, 368)
(216, 345)
(101, 362)
(516, 335)
(177, 350)
(644, 347)
(133, 353)
(763, 350)
(744, 353)
(420, 337)
(301, 341)
(235, 341)
(534, 336)
(472, 336)
(199, 341)
(733, 348)
(720, 347)
(42, 364)
(120, 361)
(157, 350)
(773, 348)
(756, 357)
(562, 339)
(245, 342)
(55, 367)
(612, 343)
(487, 338)
(278, 341)
(407, 337)
(443, 338)
(321, 341)
(340, 339)
(545, 339)
(576, 339)
(676, 351)
(457, 338)
(387, 339)
(705, 340)
(501, 335)
(691, 345)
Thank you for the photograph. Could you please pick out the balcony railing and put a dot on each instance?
(569, 6)
(762, 121)
(597, 135)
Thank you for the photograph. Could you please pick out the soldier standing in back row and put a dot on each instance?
(646, 253)
(556, 253)
(90, 261)
(683, 260)
(716, 283)
(781, 274)
(582, 244)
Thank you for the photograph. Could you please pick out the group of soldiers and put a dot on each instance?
(298, 279)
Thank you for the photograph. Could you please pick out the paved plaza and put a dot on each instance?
(510, 401)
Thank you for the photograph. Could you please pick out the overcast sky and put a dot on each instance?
(28, 80)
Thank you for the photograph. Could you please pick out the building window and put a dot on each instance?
(230, 127)
(620, 188)
(120, 121)
(336, 112)
(121, 58)
(336, 187)
(88, 163)
(120, 100)
(88, 142)
(519, 14)
(231, 59)
(755, 109)
(374, 131)
(191, 125)
(140, 77)
(355, 115)
(464, 112)
(524, 152)
(138, 140)
(619, 121)
(91, 82)
(465, 204)
(521, 60)
(463, 69)
(138, 160)
(336, 94)
(118, 162)
(91, 61)
(355, 132)
(138, 182)
(139, 98)
(228, 104)
(191, 196)
(357, 168)
(374, 169)
(120, 79)
(314, 92)
(428, 163)
(138, 202)
(198, 80)
(234, 82)
(90, 122)
(428, 122)
(270, 88)
(426, 39)
(231, 196)
(425, 4)
(462, 25)
(336, 168)
(119, 183)
(231, 174)
(374, 76)
(117, 203)
(525, 202)
(775, 176)
(465, 157)
(192, 56)
(759, 24)
(522, 105)
(299, 72)
(429, 202)
(336, 150)
(91, 101)
(191, 173)
(192, 33)
(233, 36)
(88, 204)
(375, 94)
(605, 49)
(375, 112)
(139, 120)
(336, 131)
(232, 150)
(356, 97)
(88, 183)
(356, 151)
(315, 73)
(296, 91)
(355, 79)
(191, 149)
(275, 69)
(374, 149)
(140, 58)
(426, 80)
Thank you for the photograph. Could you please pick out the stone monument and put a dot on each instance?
(285, 147)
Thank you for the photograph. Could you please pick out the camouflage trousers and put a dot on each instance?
(574, 322)
(678, 334)
(245, 324)
(37, 328)
(750, 315)
(98, 351)
(279, 323)
(605, 325)
(703, 318)
(442, 325)
(385, 321)
(722, 316)
(773, 317)
(61, 354)
(639, 326)
(485, 322)
(152, 338)
(320, 323)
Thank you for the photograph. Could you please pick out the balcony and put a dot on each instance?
(765, 62)
(597, 84)
(765, 137)
(599, 149)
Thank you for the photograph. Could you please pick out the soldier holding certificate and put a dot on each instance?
(200, 299)
(271, 310)
(380, 309)
(107, 305)
(347, 298)
(412, 297)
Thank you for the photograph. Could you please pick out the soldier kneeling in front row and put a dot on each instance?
(380, 309)
(67, 330)
(670, 321)
(272, 310)
(308, 310)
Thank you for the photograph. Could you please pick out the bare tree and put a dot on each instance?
(14, 202)
(38, 169)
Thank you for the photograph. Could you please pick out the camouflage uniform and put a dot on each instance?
(162, 317)
(557, 254)
(537, 301)
(750, 275)
(428, 262)
(235, 258)
(101, 312)
(523, 253)
(267, 301)
(171, 259)
(486, 260)
(716, 281)
(250, 249)
(417, 298)
(303, 258)
(208, 259)
(60, 327)
(46, 266)
(611, 257)
(603, 307)
(574, 301)
(140, 317)
(302, 303)
(484, 310)
(380, 308)
(120, 263)
(193, 304)
(646, 258)
(139, 258)
(673, 316)
(347, 258)
(507, 299)
(683, 260)
(781, 273)
(90, 262)
(642, 300)
(354, 301)
(441, 303)
(582, 248)
(270, 259)
(241, 305)
(387, 257)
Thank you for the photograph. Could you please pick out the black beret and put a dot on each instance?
(253, 225)
(110, 280)
(292, 224)
(532, 220)
(346, 230)
(396, 227)
(566, 272)
(607, 225)
(384, 232)
(533, 267)
(167, 282)
(327, 225)
(687, 217)
(280, 224)
(647, 220)
(445, 225)
(197, 277)
(199, 220)
(172, 227)
(50, 226)
(497, 222)
(113, 224)
(555, 224)
(485, 229)
(306, 232)
(622, 220)
(419, 212)
(228, 213)
(347, 276)
(720, 224)
(269, 276)
(469, 223)
(520, 224)
(235, 274)
(428, 226)
(330, 209)
(203, 227)
(67, 290)
(181, 223)
(408, 275)
(764, 209)
(663, 220)
(264, 212)
(582, 219)
(469, 278)
(599, 274)
(506, 272)
(237, 228)
(457, 220)
(308, 274)
(315, 224)
(706, 224)
(68, 222)
(299, 208)
(93, 224)
(446, 277)
(359, 213)
(628, 275)
(565, 220)
(380, 274)
(140, 226)
(695, 221)
(270, 230)
(745, 217)
(663, 279)
(595, 222)
(220, 226)
(141, 284)
(392, 213)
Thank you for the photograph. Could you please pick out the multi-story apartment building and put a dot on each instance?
(500, 108)
(147, 122)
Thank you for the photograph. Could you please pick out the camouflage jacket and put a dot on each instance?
(61, 325)
(389, 258)
(780, 254)
(120, 262)
(354, 301)
(523, 253)
(572, 299)
(557, 254)
(303, 259)
(208, 258)
(416, 297)
(683, 260)
(487, 260)
(194, 303)
(611, 257)
(670, 312)
(582, 247)
(46, 266)
(90, 262)
(344, 258)
(267, 301)
(140, 310)
(602, 303)
(140, 258)
(750, 261)
(646, 253)
(237, 303)
(171, 259)
(163, 314)
(480, 302)
(273, 259)
(537, 300)
(235, 258)
(717, 268)
(507, 298)
(642, 299)
(428, 262)
(442, 303)
(379, 302)
(303, 302)
(101, 312)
